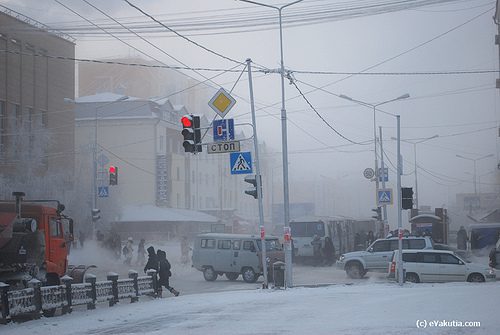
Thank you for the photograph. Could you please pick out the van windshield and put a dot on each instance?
(271, 244)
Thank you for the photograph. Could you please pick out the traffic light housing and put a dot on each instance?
(406, 198)
(378, 212)
(192, 133)
(253, 191)
(113, 175)
(96, 214)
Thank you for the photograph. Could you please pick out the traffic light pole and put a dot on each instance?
(400, 201)
(257, 172)
(382, 166)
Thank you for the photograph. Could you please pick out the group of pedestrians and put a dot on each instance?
(158, 261)
(323, 253)
(128, 252)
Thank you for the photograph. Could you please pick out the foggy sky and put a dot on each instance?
(457, 107)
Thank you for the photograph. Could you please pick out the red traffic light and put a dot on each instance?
(187, 121)
(112, 169)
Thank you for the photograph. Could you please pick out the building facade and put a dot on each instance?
(142, 139)
(36, 127)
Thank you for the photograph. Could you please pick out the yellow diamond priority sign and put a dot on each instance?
(222, 102)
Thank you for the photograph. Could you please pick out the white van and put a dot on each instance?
(420, 266)
(233, 254)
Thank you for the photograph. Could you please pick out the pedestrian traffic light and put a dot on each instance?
(113, 175)
(406, 197)
(378, 211)
(253, 191)
(96, 214)
(192, 133)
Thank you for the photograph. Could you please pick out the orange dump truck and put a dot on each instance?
(33, 241)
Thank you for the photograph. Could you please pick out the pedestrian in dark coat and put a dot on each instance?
(329, 251)
(152, 260)
(370, 238)
(462, 239)
(493, 258)
(316, 244)
(164, 272)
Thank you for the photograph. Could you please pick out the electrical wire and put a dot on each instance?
(321, 117)
(182, 36)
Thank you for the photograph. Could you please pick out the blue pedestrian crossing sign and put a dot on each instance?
(103, 191)
(223, 130)
(240, 162)
(384, 197)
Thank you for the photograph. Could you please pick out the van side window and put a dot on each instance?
(224, 244)
(410, 257)
(382, 246)
(449, 259)
(416, 244)
(236, 245)
(207, 243)
(248, 245)
(429, 258)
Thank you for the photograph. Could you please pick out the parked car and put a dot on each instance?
(420, 266)
(216, 254)
(464, 254)
(378, 255)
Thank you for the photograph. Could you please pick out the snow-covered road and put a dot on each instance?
(363, 308)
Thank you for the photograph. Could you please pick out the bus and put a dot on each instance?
(340, 229)
(483, 236)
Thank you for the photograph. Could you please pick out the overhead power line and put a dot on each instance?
(246, 19)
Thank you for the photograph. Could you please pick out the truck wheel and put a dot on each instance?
(232, 275)
(249, 275)
(209, 274)
(355, 270)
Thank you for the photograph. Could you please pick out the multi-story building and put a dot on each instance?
(36, 127)
(142, 138)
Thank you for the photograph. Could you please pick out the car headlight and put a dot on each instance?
(341, 258)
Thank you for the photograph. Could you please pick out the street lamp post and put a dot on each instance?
(415, 142)
(94, 149)
(286, 199)
(475, 170)
(374, 107)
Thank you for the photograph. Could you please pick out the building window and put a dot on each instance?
(178, 174)
(3, 127)
(44, 119)
(18, 116)
(192, 176)
(29, 127)
(161, 142)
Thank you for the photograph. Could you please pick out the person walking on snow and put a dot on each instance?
(329, 251)
(152, 260)
(316, 244)
(462, 239)
(141, 253)
(128, 251)
(164, 272)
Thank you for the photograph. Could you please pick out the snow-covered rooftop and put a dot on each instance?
(104, 97)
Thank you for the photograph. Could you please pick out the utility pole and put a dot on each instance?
(257, 175)
(284, 143)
